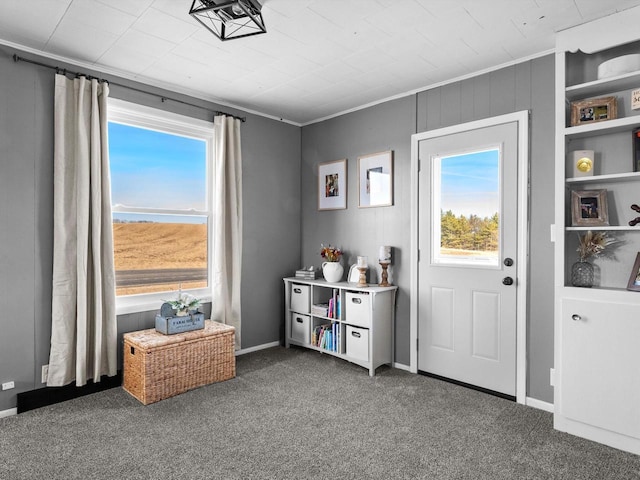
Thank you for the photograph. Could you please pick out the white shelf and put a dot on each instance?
(374, 317)
(597, 329)
(604, 292)
(604, 86)
(610, 178)
(618, 228)
(602, 128)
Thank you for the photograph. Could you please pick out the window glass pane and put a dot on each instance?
(152, 169)
(466, 208)
(157, 253)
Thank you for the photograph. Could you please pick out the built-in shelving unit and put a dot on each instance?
(341, 319)
(597, 330)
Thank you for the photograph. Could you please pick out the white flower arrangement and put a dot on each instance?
(184, 303)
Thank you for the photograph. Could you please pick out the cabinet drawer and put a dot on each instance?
(358, 309)
(300, 298)
(358, 343)
(300, 328)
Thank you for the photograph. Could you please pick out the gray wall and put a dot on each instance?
(361, 231)
(271, 196)
(282, 226)
(526, 86)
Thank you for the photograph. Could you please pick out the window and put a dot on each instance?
(161, 198)
(466, 208)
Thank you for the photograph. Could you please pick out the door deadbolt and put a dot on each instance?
(507, 281)
(508, 261)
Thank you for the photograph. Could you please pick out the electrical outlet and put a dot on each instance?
(8, 385)
(45, 373)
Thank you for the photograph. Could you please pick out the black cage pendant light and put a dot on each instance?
(229, 19)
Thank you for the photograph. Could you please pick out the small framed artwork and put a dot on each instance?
(332, 185)
(375, 179)
(589, 208)
(594, 110)
(634, 278)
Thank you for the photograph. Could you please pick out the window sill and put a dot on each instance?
(152, 302)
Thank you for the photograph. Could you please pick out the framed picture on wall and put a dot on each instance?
(332, 185)
(375, 179)
(589, 208)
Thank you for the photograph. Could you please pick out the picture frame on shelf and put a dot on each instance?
(636, 149)
(593, 110)
(332, 185)
(589, 208)
(354, 274)
(375, 179)
(634, 278)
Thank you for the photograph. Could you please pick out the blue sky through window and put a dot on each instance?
(154, 169)
(470, 183)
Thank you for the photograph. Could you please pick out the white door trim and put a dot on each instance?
(522, 118)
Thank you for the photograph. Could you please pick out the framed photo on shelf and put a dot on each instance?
(375, 179)
(595, 110)
(636, 150)
(332, 185)
(634, 278)
(589, 208)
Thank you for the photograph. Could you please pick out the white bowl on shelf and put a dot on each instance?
(619, 66)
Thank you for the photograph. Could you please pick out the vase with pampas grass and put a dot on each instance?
(590, 245)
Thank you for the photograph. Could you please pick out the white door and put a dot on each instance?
(468, 271)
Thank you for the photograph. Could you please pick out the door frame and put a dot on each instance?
(522, 119)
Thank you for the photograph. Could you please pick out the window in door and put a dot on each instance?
(466, 208)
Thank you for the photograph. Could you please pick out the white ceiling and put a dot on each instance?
(318, 58)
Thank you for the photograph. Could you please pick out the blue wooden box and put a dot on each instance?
(173, 325)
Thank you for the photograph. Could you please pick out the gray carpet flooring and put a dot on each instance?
(297, 414)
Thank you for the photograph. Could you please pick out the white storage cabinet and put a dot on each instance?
(361, 330)
(597, 330)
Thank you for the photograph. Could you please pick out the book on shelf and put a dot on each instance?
(327, 337)
(334, 305)
(306, 274)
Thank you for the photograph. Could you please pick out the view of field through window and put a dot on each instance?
(155, 177)
(468, 200)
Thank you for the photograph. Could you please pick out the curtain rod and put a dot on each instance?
(65, 71)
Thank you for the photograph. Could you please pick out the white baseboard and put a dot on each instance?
(539, 404)
(8, 413)
(242, 351)
(401, 366)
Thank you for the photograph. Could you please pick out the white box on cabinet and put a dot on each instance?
(358, 309)
(300, 298)
(358, 343)
(300, 328)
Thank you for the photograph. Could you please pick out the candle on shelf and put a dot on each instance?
(362, 261)
(385, 254)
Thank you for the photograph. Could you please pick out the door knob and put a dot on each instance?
(508, 261)
(575, 317)
(507, 281)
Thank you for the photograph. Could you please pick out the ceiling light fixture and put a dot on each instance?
(229, 19)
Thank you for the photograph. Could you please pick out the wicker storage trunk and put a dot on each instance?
(158, 366)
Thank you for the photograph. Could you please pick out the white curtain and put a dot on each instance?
(83, 330)
(227, 245)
